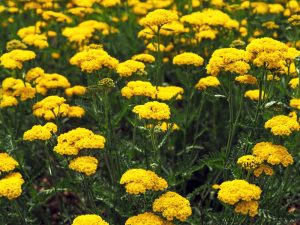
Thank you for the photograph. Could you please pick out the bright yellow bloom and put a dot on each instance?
(272, 154)
(158, 17)
(84, 164)
(57, 16)
(17, 88)
(153, 110)
(145, 58)
(11, 186)
(8, 101)
(47, 81)
(147, 218)
(246, 79)
(89, 219)
(138, 181)
(168, 92)
(75, 90)
(15, 58)
(72, 142)
(249, 162)
(295, 103)
(294, 83)
(172, 205)
(206, 82)
(7, 163)
(36, 40)
(247, 208)
(129, 67)
(34, 73)
(39, 132)
(282, 125)
(138, 88)
(188, 58)
(228, 60)
(263, 169)
(255, 94)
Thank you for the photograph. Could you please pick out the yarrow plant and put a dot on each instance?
(149, 112)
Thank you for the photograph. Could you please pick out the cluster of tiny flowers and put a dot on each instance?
(72, 142)
(145, 58)
(84, 164)
(246, 79)
(172, 205)
(75, 90)
(16, 58)
(129, 67)
(241, 194)
(206, 82)
(158, 17)
(188, 58)
(153, 110)
(89, 219)
(39, 132)
(52, 107)
(255, 95)
(147, 218)
(93, 59)
(249, 162)
(295, 103)
(272, 154)
(282, 125)
(138, 181)
(11, 184)
(228, 60)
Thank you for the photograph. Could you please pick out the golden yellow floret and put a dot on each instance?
(247, 208)
(147, 218)
(153, 110)
(15, 58)
(39, 132)
(138, 181)
(75, 90)
(129, 67)
(158, 17)
(11, 186)
(7, 163)
(84, 164)
(89, 219)
(255, 95)
(282, 125)
(249, 162)
(263, 168)
(188, 58)
(295, 103)
(138, 88)
(172, 205)
(209, 81)
(246, 79)
(145, 58)
(272, 154)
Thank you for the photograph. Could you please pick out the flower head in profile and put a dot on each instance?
(188, 58)
(158, 17)
(153, 110)
(206, 82)
(84, 164)
(89, 219)
(147, 218)
(282, 125)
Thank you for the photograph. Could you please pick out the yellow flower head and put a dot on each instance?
(72, 142)
(8, 101)
(255, 94)
(7, 163)
(168, 92)
(15, 58)
(247, 208)
(172, 205)
(272, 154)
(145, 58)
(75, 90)
(188, 58)
(84, 164)
(11, 186)
(295, 103)
(153, 110)
(294, 83)
(138, 181)
(249, 162)
(89, 219)
(138, 88)
(39, 132)
(263, 168)
(246, 79)
(147, 218)
(158, 17)
(228, 60)
(206, 82)
(282, 125)
(129, 67)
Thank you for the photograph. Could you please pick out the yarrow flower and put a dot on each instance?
(172, 206)
(16, 58)
(7, 163)
(11, 186)
(75, 90)
(138, 88)
(72, 142)
(282, 125)
(206, 82)
(249, 162)
(89, 219)
(129, 67)
(145, 58)
(84, 164)
(240, 193)
(228, 60)
(158, 17)
(246, 79)
(188, 58)
(294, 83)
(168, 92)
(54, 106)
(153, 110)
(254, 95)
(39, 132)
(295, 103)
(272, 154)
(138, 181)
(147, 218)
